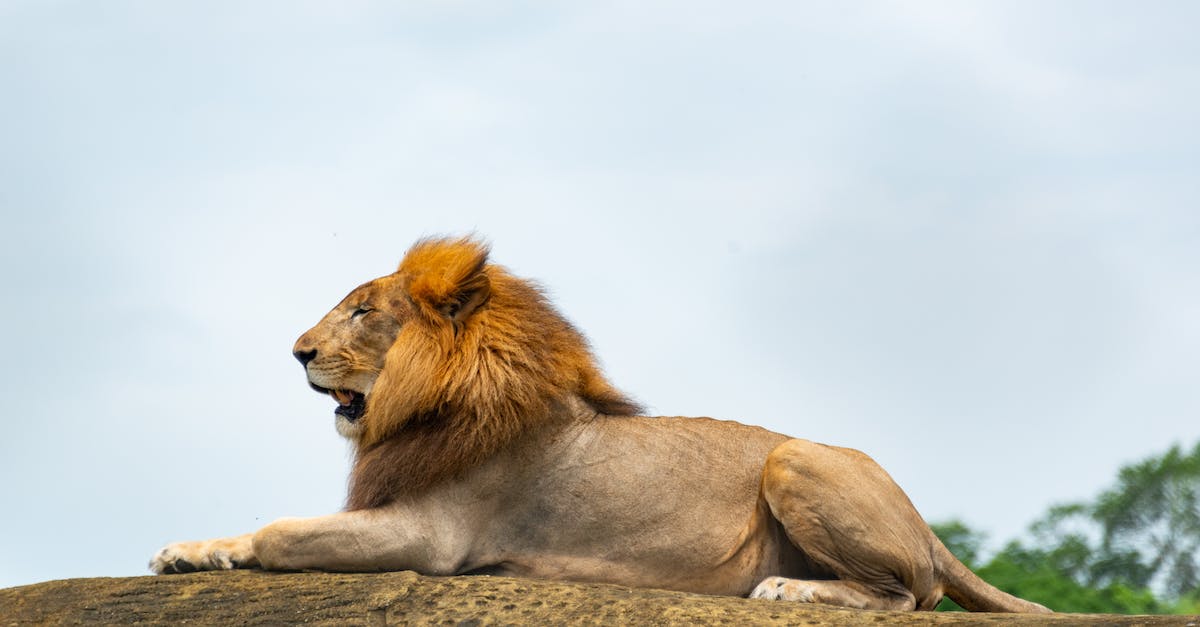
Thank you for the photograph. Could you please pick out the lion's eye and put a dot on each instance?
(362, 310)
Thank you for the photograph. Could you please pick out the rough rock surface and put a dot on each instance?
(255, 597)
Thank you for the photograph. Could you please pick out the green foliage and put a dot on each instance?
(1044, 577)
(1138, 538)
(1151, 520)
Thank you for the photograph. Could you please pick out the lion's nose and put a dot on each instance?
(305, 356)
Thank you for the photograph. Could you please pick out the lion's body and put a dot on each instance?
(488, 442)
(616, 498)
(603, 499)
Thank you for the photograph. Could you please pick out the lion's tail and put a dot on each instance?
(975, 594)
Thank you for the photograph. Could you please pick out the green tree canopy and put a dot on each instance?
(1134, 549)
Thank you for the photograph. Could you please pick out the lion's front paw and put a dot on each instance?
(188, 557)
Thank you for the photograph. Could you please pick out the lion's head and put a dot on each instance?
(441, 364)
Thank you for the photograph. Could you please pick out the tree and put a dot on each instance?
(1142, 532)
(1151, 524)
(1044, 576)
(1134, 549)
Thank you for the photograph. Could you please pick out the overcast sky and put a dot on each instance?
(962, 237)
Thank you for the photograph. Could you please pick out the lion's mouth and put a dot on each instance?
(351, 404)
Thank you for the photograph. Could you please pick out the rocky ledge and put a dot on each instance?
(404, 598)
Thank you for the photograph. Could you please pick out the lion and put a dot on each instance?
(487, 440)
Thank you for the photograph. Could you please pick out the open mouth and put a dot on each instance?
(351, 404)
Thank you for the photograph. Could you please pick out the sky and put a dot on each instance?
(962, 237)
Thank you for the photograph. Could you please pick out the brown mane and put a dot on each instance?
(483, 359)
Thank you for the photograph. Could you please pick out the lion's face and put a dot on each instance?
(441, 364)
(344, 353)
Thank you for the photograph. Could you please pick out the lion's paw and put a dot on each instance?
(188, 557)
(784, 589)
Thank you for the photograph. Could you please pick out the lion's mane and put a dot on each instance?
(483, 359)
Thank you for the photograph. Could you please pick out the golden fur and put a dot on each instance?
(486, 439)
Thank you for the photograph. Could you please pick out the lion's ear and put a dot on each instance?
(448, 278)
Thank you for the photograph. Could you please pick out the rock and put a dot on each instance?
(250, 597)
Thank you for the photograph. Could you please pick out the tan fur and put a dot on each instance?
(487, 440)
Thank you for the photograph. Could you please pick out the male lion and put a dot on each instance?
(487, 440)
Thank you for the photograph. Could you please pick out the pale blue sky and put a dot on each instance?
(963, 237)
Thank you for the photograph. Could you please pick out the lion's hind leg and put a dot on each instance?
(846, 514)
